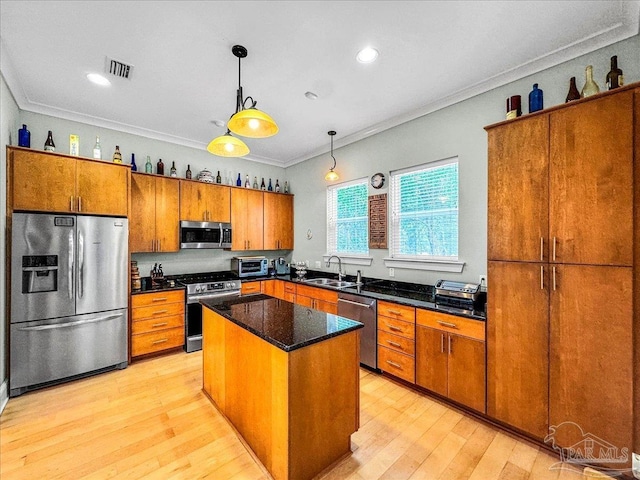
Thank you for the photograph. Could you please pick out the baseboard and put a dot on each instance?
(4, 395)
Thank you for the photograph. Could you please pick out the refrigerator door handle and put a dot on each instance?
(71, 265)
(70, 324)
(80, 264)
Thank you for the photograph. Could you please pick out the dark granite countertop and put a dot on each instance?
(164, 286)
(283, 324)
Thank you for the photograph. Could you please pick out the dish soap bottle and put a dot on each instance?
(590, 86)
(49, 146)
(148, 168)
(97, 150)
(117, 156)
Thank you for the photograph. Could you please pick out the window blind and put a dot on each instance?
(347, 218)
(424, 211)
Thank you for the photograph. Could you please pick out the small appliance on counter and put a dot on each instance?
(467, 297)
(281, 266)
(245, 267)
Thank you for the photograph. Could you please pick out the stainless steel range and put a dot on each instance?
(202, 286)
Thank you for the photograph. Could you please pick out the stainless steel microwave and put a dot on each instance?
(205, 235)
(250, 266)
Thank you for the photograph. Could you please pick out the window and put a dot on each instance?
(424, 211)
(347, 218)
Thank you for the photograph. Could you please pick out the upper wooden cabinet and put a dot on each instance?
(52, 182)
(154, 222)
(247, 219)
(204, 202)
(278, 221)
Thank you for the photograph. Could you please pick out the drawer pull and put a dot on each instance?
(393, 327)
(447, 324)
(394, 364)
(159, 312)
(164, 340)
(394, 344)
(160, 299)
(156, 325)
(394, 312)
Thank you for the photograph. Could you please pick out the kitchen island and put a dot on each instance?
(286, 377)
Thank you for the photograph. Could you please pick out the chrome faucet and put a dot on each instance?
(340, 274)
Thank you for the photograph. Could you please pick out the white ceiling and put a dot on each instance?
(432, 53)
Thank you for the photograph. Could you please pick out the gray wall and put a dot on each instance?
(9, 125)
(453, 131)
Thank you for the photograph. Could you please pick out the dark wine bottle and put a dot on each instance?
(262, 185)
(270, 187)
(188, 174)
(277, 186)
(134, 167)
(573, 94)
(49, 146)
(218, 177)
(173, 172)
(239, 181)
(615, 78)
(160, 167)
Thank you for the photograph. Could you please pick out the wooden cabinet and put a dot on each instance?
(157, 322)
(50, 182)
(450, 357)
(396, 340)
(204, 202)
(247, 219)
(317, 298)
(278, 221)
(289, 292)
(562, 189)
(154, 222)
(280, 289)
(251, 288)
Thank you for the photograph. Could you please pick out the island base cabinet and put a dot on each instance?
(296, 410)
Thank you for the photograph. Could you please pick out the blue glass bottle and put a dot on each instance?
(535, 99)
(134, 167)
(239, 181)
(24, 137)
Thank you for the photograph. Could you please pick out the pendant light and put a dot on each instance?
(332, 176)
(249, 121)
(228, 146)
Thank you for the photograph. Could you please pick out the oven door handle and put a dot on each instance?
(196, 299)
(220, 243)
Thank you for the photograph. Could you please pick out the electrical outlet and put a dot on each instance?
(635, 466)
(392, 272)
(482, 280)
(318, 264)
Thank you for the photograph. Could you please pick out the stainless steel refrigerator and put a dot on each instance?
(69, 286)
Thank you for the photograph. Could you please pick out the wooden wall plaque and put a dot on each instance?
(378, 221)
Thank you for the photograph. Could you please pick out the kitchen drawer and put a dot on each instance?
(394, 342)
(397, 327)
(289, 288)
(318, 293)
(249, 288)
(157, 298)
(290, 297)
(397, 311)
(397, 364)
(154, 324)
(152, 342)
(450, 323)
(160, 310)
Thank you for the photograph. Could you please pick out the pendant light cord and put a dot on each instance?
(334, 158)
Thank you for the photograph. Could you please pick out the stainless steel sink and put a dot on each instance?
(330, 282)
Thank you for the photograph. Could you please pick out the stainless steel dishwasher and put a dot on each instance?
(363, 310)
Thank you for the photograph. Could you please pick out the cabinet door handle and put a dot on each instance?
(164, 340)
(450, 350)
(393, 327)
(79, 204)
(394, 364)
(554, 249)
(159, 245)
(442, 342)
(554, 278)
(447, 324)
(159, 299)
(156, 325)
(71, 203)
(394, 344)
(159, 312)
(541, 277)
(541, 249)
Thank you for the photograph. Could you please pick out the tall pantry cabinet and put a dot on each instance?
(561, 324)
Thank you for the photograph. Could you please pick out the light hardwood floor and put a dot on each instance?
(152, 420)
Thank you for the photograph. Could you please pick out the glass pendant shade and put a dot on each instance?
(228, 146)
(252, 123)
(331, 176)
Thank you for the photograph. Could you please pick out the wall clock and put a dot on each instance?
(377, 180)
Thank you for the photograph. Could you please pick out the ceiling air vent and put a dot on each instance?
(118, 69)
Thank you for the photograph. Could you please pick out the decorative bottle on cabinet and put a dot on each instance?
(239, 181)
(117, 156)
(24, 137)
(97, 149)
(255, 183)
(286, 187)
(188, 174)
(573, 94)
(49, 146)
(247, 184)
(218, 177)
(173, 172)
(148, 168)
(277, 186)
(615, 78)
(160, 167)
(134, 167)
(262, 185)
(270, 187)
(590, 86)
(535, 99)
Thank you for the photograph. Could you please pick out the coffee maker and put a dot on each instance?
(282, 267)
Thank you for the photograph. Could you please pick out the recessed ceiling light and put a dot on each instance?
(311, 95)
(98, 79)
(367, 55)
